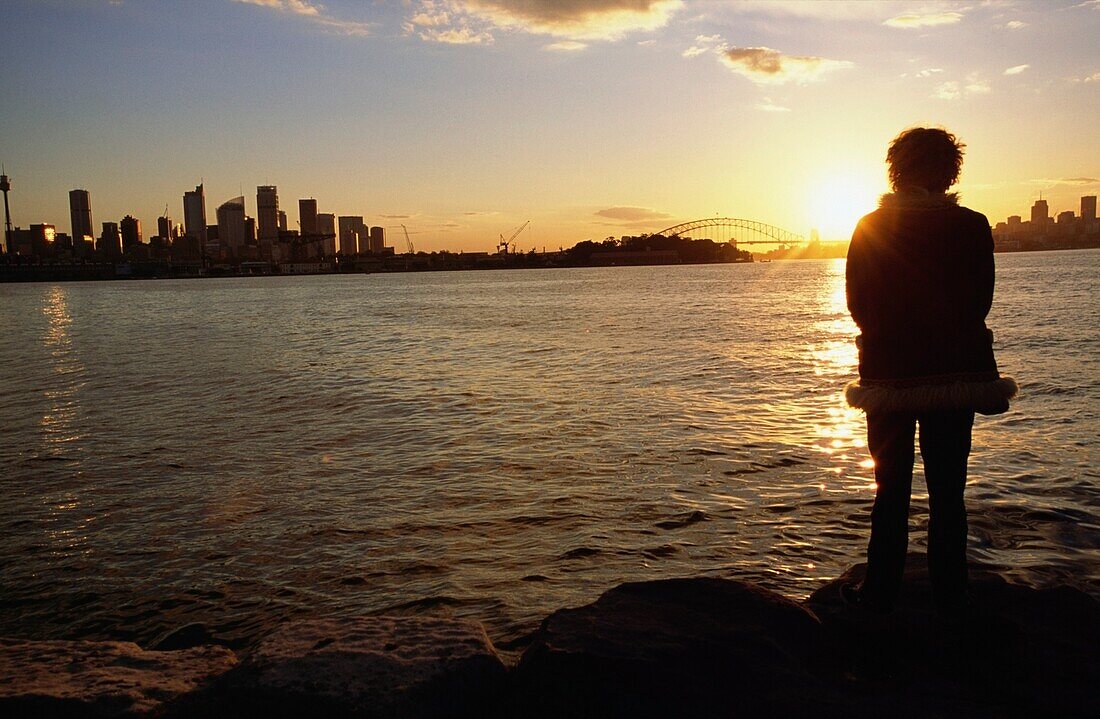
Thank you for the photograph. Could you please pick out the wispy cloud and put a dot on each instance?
(909, 21)
(566, 46)
(1015, 24)
(768, 106)
(576, 20)
(1070, 181)
(954, 90)
(315, 14)
(630, 215)
(1016, 69)
(766, 66)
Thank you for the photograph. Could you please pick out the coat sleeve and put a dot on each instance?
(855, 275)
(986, 271)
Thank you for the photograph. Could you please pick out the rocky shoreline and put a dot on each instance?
(680, 647)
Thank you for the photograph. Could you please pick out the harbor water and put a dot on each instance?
(497, 445)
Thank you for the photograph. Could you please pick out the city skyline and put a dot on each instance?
(464, 119)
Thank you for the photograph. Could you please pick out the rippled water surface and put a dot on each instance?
(489, 444)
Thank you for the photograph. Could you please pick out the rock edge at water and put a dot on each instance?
(696, 647)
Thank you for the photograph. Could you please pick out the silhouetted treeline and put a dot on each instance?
(654, 249)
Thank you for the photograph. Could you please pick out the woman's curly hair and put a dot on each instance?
(925, 157)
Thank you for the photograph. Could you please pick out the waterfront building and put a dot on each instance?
(283, 221)
(267, 218)
(354, 235)
(194, 215)
(110, 240)
(307, 217)
(80, 213)
(1040, 215)
(131, 233)
(377, 239)
(232, 227)
(326, 228)
(1089, 224)
(164, 228)
(5, 187)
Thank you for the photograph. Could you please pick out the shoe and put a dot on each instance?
(856, 598)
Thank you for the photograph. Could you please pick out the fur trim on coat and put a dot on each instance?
(983, 397)
(918, 198)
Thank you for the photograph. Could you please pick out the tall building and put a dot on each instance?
(377, 239)
(110, 240)
(194, 215)
(131, 232)
(267, 217)
(232, 226)
(1040, 215)
(354, 235)
(80, 212)
(283, 221)
(1088, 209)
(307, 217)
(326, 228)
(5, 187)
(164, 227)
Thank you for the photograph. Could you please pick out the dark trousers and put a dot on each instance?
(944, 447)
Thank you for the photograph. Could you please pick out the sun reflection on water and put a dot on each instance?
(835, 357)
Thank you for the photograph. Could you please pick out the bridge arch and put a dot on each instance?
(758, 233)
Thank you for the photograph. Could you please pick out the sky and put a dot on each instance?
(462, 119)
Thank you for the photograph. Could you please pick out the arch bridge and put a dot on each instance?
(738, 231)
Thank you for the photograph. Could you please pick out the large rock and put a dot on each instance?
(371, 667)
(1019, 651)
(100, 679)
(669, 648)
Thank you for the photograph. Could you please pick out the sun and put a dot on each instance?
(838, 200)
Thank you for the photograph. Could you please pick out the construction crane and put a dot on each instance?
(408, 242)
(504, 245)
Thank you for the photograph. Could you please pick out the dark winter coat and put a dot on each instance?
(920, 284)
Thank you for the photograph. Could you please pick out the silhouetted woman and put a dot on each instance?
(920, 283)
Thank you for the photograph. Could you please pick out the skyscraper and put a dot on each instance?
(307, 217)
(1040, 215)
(326, 228)
(194, 215)
(5, 187)
(232, 225)
(283, 221)
(131, 232)
(352, 230)
(80, 212)
(164, 227)
(1088, 209)
(377, 239)
(110, 241)
(267, 218)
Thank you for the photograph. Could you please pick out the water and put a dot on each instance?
(489, 444)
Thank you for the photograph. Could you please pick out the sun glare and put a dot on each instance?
(838, 201)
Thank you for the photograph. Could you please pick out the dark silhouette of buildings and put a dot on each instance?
(1041, 232)
(131, 233)
(110, 240)
(80, 213)
(194, 216)
(5, 187)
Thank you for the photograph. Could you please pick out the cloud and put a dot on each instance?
(632, 214)
(765, 66)
(1015, 24)
(315, 14)
(396, 217)
(928, 72)
(565, 46)
(1071, 181)
(910, 21)
(836, 10)
(954, 90)
(1016, 69)
(703, 44)
(768, 106)
(572, 19)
